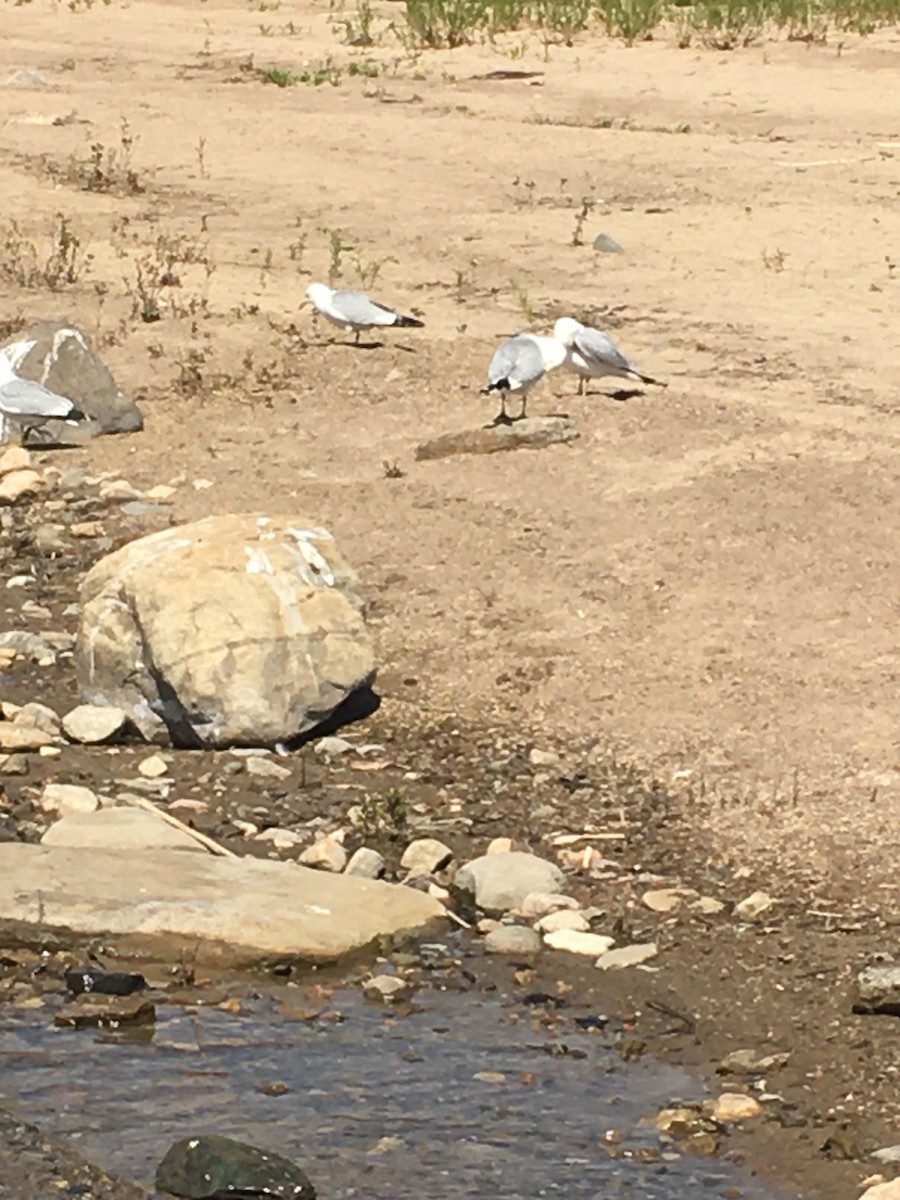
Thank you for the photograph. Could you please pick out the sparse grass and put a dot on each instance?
(587, 207)
(392, 470)
(154, 273)
(774, 260)
(358, 29)
(110, 168)
(59, 263)
(385, 812)
(523, 301)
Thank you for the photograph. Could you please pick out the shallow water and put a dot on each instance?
(369, 1077)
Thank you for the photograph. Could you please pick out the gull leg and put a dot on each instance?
(356, 339)
(580, 385)
(502, 417)
(521, 416)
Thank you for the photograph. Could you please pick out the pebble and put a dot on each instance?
(327, 854)
(627, 956)
(512, 939)
(281, 839)
(65, 798)
(539, 904)
(162, 491)
(877, 988)
(666, 900)
(16, 738)
(366, 863)
(267, 768)
(17, 484)
(13, 764)
(543, 758)
(563, 918)
(385, 987)
(735, 1106)
(576, 942)
(755, 906)
(119, 489)
(500, 882)
(91, 724)
(708, 906)
(16, 458)
(153, 767)
(426, 856)
(80, 980)
(28, 645)
(500, 845)
(749, 1062)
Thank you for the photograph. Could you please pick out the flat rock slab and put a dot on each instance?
(532, 433)
(234, 911)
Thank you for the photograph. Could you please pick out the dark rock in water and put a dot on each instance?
(210, 1165)
(59, 356)
(106, 1011)
(530, 433)
(105, 983)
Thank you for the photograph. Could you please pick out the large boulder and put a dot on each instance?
(236, 630)
(59, 356)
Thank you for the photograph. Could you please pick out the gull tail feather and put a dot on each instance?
(409, 322)
(649, 379)
(500, 385)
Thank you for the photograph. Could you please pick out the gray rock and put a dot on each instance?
(39, 715)
(532, 433)
(607, 245)
(512, 939)
(755, 906)
(563, 918)
(235, 630)
(386, 987)
(626, 956)
(234, 912)
(91, 724)
(426, 856)
(750, 1062)
(366, 863)
(118, 829)
(28, 77)
(67, 798)
(59, 355)
(27, 645)
(878, 990)
(211, 1165)
(499, 882)
(267, 768)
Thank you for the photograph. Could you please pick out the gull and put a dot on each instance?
(354, 311)
(29, 403)
(518, 364)
(592, 354)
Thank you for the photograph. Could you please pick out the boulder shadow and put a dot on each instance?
(358, 706)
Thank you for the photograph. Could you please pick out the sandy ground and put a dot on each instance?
(707, 581)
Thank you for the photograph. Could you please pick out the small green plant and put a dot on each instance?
(630, 20)
(392, 470)
(523, 301)
(366, 68)
(385, 812)
(368, 270)
(727, 24)
(775, 260)
(60, 264)
(358, 28)
(110, 169)
(281, 78)
(337, 249)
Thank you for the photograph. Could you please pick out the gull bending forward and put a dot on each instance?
(592, 354)
(518, 364)
(29, 403)
(354, 311)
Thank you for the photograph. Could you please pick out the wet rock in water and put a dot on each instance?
(512, 939)
(755, 906)
(626, 956)
(735, 1106)
(539, 904)
(80, 980)
(64, 798)
(366, 863)
(877, 990)
(122, 828)
(386, 987)
(327, 854)
(426, 856)
(500, 882)
(563, 918)
(273, 1087)
(576, 941)
(194, 631)
(59, 356)
(533, 433)
(210, 1165)
(91, 724)
(96, 1009)
(750, 1062)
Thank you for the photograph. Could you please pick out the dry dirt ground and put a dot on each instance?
(706, 584)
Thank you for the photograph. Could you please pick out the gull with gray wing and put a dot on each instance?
(593, 355)
(30, 404)
(518, 365)
(354, 311)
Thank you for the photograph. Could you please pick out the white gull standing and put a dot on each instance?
(354, 311)
(593, 355)
(518, 364)
(30, 404)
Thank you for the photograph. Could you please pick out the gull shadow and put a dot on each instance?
(621, 394)
(358, 706)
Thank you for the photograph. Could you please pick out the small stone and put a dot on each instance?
(17, 484)
(87, 529)
(542, 758)
(735, 1106)
(16, 458)
(209, 1164)
(366, 863)
(119, 489)
(14, 764)
(332, 747)
(877, 988)
(28, 645)
(80, 980)
(153, 767)
(539, 904)
(626, 956)
(246, 828)
(755, 906)
(50, 752)
(887, 1154)
(65, 798)
(15, 737)
(90, 1009)
(386, 987)
(500, 845)
(666, 900)
(564, 918)
(708, 906)
(91, 724)
(578, 942)
(512, 939)
(39, 715)
(605, 244)
(889, 1190)
(273, 1087)
(500, 882)
(749, 1062)
(281, 839)
(327, 854)
(426, 856)
(162, 491)
(267, 768)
